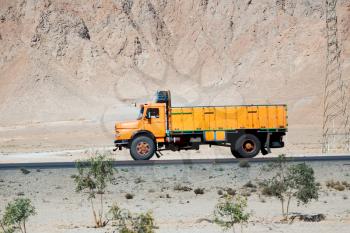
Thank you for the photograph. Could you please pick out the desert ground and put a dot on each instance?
(60, 209)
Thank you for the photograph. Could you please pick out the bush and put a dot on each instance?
(129, 223)
(199, 191)
(92, 178)
(16, 215)
(290, 181)
(24, 171)
(179, 187)
(231, 191)
(337, 185)
(266, 189)
(249, 184)
(230, 211)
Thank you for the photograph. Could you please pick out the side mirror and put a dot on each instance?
(148, 114)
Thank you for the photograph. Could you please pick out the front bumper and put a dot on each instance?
(121, 143)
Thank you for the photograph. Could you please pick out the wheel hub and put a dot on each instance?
(143, 148)
(248, 146)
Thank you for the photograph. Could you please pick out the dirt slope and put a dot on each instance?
(74, 60)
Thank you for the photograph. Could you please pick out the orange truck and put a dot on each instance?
(246, 129)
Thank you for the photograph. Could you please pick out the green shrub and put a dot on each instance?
(129, 223)
(230, 211)
(16, 215)
(92, 179)
(290, 181)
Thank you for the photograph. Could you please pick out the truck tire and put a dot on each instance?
(142, 148)
(235, 153)
(246, 146)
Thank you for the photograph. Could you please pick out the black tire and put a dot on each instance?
(246, 146)
(142, 148)
(235, 153)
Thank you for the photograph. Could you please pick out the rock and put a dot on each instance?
(309, 217)
(25, 171)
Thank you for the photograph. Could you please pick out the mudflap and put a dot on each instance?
(266, 149)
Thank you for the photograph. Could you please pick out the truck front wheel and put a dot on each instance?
(246, 146)
(142, 148)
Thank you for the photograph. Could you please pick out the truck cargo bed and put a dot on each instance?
(202, 118)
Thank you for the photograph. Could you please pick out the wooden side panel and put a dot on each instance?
(281, 117)
(176, 119)
(253, 117)
(228, 118)
(187, 119)
(212, 117)
(209, 118)
(198, 118)
(231, 118)
(220, 118)
(262, 117)
(272, 115)
(242, 117)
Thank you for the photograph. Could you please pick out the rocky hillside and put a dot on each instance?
(77, 59)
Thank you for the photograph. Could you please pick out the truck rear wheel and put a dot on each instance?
(142, 148)
(246, 146)
(235, 153)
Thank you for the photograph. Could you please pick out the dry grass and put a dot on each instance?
(182, 188)
(337, 185)
(249, 184)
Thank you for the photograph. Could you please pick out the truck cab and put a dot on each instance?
(151, 123)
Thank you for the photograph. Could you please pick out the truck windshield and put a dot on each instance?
(140, 113)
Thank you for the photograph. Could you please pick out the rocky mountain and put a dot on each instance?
(77, 59)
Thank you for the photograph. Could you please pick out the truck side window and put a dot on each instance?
(153, 113)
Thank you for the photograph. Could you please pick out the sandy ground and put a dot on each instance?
(60, 209)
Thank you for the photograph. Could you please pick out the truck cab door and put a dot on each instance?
(154, 121)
